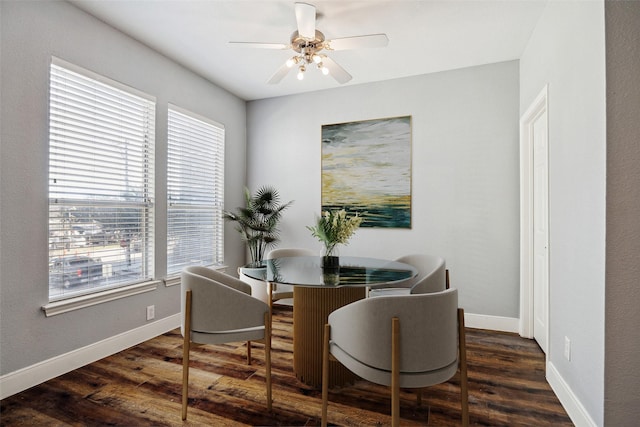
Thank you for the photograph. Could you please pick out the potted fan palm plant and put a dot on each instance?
(257, 222)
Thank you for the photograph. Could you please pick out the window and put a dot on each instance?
(195, 191)
(101, 183)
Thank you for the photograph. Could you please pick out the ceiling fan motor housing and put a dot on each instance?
(307, 47)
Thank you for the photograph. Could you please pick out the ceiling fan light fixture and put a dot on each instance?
(301, 71)
(321, 67)
(316, 58)
(292, 61)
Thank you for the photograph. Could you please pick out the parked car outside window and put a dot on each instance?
(75, 270)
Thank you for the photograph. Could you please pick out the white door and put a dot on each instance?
(540, 248)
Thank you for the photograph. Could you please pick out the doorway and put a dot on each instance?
(534, 228)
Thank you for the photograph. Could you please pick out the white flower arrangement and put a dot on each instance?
(335, 227)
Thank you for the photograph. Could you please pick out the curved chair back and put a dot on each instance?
(285, 291)
(361, 335)
(217, 299)
(289, 252)
(431, 273)
(431, 277)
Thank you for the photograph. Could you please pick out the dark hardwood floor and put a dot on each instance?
(141, 386)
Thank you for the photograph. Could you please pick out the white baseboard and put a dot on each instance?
(22, 379)
(569, 401)
(494, 323)
(576, 411)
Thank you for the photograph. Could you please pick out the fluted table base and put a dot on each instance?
(311, 308)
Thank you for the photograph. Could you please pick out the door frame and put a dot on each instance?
(538, 106)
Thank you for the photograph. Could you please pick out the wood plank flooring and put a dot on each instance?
(141, 386)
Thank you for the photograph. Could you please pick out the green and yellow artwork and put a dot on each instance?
(366, 168)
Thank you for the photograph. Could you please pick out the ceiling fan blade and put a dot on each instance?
(357, 42)
(260, 45)
(279, 75)
(306, 20)
(336, 71)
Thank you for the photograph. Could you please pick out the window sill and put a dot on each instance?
(172, 281)
(71, 304)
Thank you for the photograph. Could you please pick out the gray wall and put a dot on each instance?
(30, 33)
(566, 51)
(622, 343)
(465, 179)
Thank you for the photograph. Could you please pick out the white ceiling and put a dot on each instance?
(425, 36)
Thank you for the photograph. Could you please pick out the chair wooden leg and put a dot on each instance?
(419, 397)
(248, 352)
(462, 348)
(325, 373)
(267, 357)
(395, 372)
(185, 377)
(185, 354)
(447, 283)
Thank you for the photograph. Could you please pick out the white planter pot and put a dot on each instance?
(258, 287)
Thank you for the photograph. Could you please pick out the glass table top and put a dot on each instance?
(316, 271)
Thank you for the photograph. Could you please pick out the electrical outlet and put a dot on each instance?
(567, 348)
(151, 312)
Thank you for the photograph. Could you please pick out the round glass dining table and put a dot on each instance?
(344, 271)
(320, 286)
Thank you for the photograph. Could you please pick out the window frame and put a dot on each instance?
(187, 130)
(59, 195)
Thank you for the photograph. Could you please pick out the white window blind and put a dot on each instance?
(101, 183)
(195, 191)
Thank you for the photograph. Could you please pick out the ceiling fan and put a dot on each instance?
(310, 44)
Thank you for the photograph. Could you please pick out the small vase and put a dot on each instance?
(330, 265)
(330, 257)
(331, 277)
(331, 261)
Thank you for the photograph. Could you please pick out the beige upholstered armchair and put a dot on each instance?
(408, 341)
(280, 291)
(432, 277)
(218, 308)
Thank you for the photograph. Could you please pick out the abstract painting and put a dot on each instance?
(366, 168)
